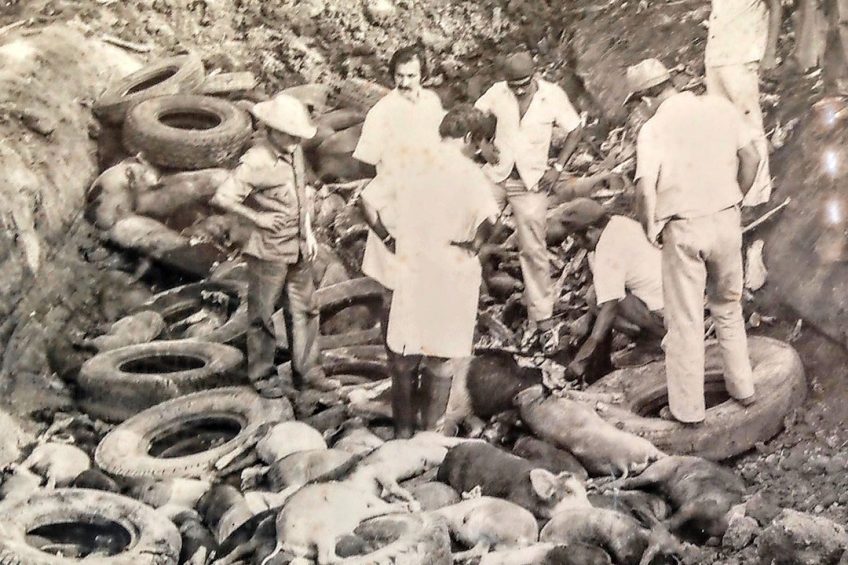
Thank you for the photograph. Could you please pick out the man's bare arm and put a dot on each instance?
(568, 148)
(775, 20)
(749, 163)
(372, 218)
(646, 203)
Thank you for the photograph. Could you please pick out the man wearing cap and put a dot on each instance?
(627, 280)
(399, 130)
(696, 157)
(526, 108)
(268, 189)
(743, 37)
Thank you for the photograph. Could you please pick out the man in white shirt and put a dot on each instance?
(742, 38)
(696, 158)
(442, 217)
(398, 131)
(627, 280)
(526, 108)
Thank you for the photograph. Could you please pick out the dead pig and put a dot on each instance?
(59, 463)
(701, 492)
(646, 507)
(484, 386)
(601, 447)
(622, 537)
(310, 523)
(114, 193)
(141, 327)
(486, 522)
(549, 554)
(508, 476)
(547, 456)
(303, 466)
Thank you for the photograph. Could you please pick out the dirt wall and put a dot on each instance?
(48, 79)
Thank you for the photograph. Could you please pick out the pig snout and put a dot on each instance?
(528, 396)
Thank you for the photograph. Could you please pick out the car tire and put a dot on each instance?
(122, 382)
(188, 131)
(174, 75)
(334, 298)
(126, 450)
(150, 539)
(729, 428)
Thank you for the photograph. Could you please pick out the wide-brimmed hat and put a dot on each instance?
(518, 66)
(581, 214)
(286, 114)
(644, 75)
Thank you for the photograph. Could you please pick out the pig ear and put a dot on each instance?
(544, 483)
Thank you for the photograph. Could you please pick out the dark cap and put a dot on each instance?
(519, 66)
(582, 213)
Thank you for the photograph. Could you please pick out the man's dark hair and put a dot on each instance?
(405, 55)
(462, 120)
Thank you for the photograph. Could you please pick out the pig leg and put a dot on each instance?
(276, 551)
(327, 551)
(235, 555)
(657, 473)
(478, 551)
(391, 486)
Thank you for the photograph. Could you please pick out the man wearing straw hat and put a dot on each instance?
(696, 158)
(268, 189)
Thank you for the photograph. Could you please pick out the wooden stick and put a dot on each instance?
(137, 47)
(767, 215)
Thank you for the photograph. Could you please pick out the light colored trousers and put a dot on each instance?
(529, 208)
(741, 85)
(701, 254)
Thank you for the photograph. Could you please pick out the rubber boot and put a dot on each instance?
(432, 398)
(403, 407)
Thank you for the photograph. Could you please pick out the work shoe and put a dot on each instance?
(747, 401)
(665, 414)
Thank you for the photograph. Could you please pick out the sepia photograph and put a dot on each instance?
(424, 282)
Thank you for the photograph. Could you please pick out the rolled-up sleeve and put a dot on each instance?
(238, 184)
(608, 274)
(566, 116)
(648, 155)
(369, 149)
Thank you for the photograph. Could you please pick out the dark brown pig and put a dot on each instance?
(503, 475)
(701, 492)
(601, 447)
(485, 386)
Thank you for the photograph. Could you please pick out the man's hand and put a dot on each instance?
(271, 220)
(549, 179)
(768, 62)
(490, 152)
(468, 246)
(310, 244)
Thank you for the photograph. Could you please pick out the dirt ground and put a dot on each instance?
(585, 45)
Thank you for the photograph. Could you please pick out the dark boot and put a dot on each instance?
(404, 380)
(432, 398)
